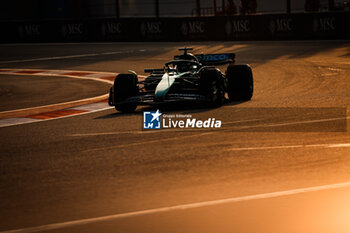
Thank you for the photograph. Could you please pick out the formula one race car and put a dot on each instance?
(186, 78)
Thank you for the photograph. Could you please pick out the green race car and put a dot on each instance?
(186, 78)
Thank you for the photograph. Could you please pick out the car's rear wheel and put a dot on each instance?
(125, 86)
(211, 85)
(239, 82)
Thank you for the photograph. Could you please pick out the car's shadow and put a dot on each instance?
(181, 108)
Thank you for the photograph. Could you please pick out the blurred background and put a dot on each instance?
(90, 9)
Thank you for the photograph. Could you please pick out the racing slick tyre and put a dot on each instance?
(239, 82)
(211, 85)
(125, 85)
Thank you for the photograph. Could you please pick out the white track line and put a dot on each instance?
(61, 73)
(64, 57)
(147, 142)
(337, 145)
(72, 56)
(177, 207)
(141, 132)
(292, 123)
(17, 121)
(58, 104)
(242, 121)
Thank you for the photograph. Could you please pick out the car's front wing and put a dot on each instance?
(149, 99)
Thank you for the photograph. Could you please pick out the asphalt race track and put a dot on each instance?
(280, 162)
(19, 92)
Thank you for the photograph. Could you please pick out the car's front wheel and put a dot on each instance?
(125, 86)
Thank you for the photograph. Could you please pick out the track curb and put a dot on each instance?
(59, 110)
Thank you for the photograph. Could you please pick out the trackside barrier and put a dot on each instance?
(334, 25)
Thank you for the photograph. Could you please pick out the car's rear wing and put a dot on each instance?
(216, 59)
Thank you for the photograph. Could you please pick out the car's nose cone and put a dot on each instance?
(164, 86)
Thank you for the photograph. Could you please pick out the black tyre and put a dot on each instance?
(211, 85)
(125, 85)
(239, 82)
